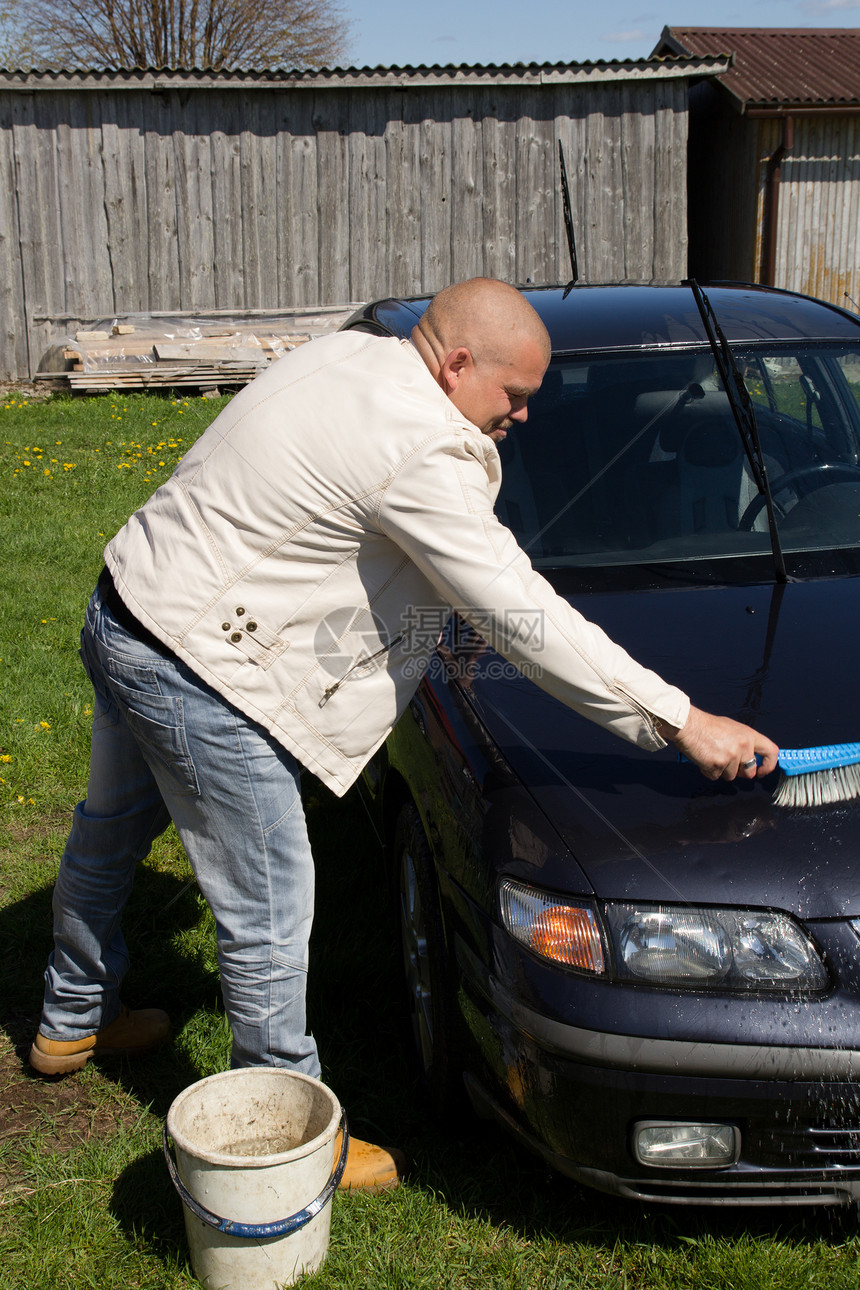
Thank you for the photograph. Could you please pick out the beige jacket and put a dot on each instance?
(308, 547)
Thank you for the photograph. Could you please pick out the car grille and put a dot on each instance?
(822, 1145)
(767, 1191)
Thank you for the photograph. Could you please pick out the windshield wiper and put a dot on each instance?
(744, 415)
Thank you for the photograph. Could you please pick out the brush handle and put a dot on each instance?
(802, 761)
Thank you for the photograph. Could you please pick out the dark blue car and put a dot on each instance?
(650, 979)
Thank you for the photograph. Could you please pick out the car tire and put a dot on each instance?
(430, 991)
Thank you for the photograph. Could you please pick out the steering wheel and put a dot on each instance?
(833, 469)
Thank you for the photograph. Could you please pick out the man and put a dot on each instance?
(254, 616)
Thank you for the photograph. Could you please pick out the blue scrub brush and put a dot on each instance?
(818, 776)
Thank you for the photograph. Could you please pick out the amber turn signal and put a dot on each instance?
(563, 932)
(568, 936)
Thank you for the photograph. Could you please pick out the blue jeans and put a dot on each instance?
(166, 746)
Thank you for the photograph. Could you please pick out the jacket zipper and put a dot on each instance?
(648, 717)
(359, 662)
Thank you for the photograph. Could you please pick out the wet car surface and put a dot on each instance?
(652, 980)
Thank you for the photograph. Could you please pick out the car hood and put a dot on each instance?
(647, 826)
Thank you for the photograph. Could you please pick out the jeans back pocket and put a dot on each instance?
(157, 722)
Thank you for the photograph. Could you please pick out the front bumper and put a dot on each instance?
(574, 1096)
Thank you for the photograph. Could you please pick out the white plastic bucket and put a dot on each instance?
(254, 1168)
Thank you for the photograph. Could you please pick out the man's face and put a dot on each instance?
(494, 396)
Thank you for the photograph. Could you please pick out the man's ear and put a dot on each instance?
(453, 368)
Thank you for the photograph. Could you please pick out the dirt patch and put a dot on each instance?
(65, 1112)
(31, 391)
(46, 825)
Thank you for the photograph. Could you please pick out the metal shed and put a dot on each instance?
(774, 167)
(147, 191)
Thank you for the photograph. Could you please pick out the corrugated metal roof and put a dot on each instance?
(628, 69)
(797, 66)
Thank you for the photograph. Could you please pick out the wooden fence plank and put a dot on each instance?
(436, 182)
(14, 336)
(669, 243)
(38, 156)
(81, 187)
(636, 157)
(228, 268)
(124, 161)
(467, 250)
(41, 276)
(297, 205)
(331, 136)
(536, 186)
(260, 219)
(604, 193)
(405, 196)
(367, 198)
(571, 133)
(195, 209)
(258, 197)
(160, 176)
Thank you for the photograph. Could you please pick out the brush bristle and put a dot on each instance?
(819, 787)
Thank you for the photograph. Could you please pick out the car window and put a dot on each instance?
(780, 384)
(849, 365)
(638, 457)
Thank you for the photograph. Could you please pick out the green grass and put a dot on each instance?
(85, 1200)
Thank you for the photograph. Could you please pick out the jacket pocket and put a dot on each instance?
(254, 639)
(363, 664)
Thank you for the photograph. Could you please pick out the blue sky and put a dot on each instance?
(387, 32)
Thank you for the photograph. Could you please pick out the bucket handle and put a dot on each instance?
(259, 1231)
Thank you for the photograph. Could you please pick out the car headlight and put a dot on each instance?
(731, 949)
(672, 945)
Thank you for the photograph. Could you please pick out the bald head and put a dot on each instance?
(488, 350)
(492, 319)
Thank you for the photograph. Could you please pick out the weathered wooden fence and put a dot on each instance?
(814, 245)
(183, 192)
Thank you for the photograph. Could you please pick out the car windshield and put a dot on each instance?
(631, 459)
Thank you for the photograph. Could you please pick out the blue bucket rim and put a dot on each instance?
(260, 1231)
(229, 1160)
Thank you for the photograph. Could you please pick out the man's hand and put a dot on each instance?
(722, 748)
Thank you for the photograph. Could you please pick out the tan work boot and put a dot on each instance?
(131, 1035)
(370, 1168)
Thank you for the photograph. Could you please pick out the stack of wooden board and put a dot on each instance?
(137, 360)
(169, 353)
